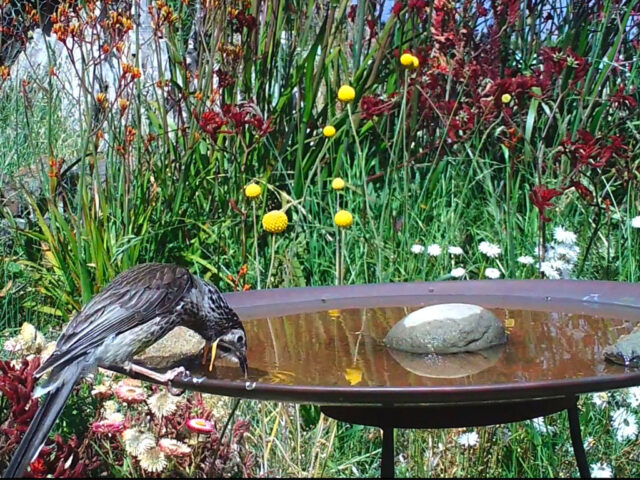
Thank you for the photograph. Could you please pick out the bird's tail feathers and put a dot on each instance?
(58, 389)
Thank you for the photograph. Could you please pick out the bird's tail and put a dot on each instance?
(48, 412)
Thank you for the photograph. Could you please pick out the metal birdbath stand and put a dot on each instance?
(450, 404)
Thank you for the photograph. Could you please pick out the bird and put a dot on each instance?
(136, 309)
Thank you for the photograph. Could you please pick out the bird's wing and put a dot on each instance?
(131, 299)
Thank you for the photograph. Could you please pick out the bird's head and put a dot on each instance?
(228, 333)
(233, 343)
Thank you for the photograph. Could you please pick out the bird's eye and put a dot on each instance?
(240, 339)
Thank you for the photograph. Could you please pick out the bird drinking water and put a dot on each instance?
(138, 308)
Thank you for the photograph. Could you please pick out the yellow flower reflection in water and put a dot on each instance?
(334, 314)
(279, 376)
(353, 375)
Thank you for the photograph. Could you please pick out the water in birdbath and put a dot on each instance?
(345, 347)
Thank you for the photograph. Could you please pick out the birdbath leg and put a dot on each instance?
(387, 467)
(576, 441)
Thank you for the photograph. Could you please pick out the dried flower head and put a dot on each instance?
(153, 460)
(136, 442)
(200, 425)
(130, 394)
(163, 403)
(174, 448)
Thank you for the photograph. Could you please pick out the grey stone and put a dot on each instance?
(626, 351)
(447, 328)
(173, 349)
(448, 366)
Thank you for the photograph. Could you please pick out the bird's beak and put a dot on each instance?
(231, 351)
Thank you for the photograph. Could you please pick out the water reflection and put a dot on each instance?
(345, 348)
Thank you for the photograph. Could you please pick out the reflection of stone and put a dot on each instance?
(178, 345)
(626, 351)
(452, 365)
(447, 328)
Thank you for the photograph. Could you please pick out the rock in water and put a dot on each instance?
(626, 351)
(448, 366)
(447, 328)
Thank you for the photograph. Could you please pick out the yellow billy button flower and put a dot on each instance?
(343, 219)
(406, 60)
(337, 183)
(329, 131)
(252, 191)
(346, 93)
(416, 62)
(506, 98)
(275, 221)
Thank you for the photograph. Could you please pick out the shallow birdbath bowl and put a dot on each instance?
(324, 345)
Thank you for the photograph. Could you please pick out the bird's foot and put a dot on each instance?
(164, 378)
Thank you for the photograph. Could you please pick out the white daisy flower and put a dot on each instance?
(564, 236)
(489, 249)
(526, 260)
(541, 426)
(137, 442)
(600, 399)
(549, 271)
(492, 273)
(635, 222)
(163, 403)
(458, 272)
(625, 424)
(601, 470)
(469, 439)
(633, 396)
(153, 460)
(434, 250)
(455, 251)
(115, 417)
(417, 248)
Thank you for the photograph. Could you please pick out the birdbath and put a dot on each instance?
(323, 345)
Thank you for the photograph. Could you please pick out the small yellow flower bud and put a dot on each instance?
(329, 131)
(252, 191)
(337, 183)
(406, 60)
(506, 98)
(343, 219)
(346, 93)
(275, 221)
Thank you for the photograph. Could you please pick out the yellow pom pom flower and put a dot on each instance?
(343, 219)
(329, 131)
(506, 98)
(275, 221)
(337, 183)
(252, 191)
(346, 93)
(409, 61)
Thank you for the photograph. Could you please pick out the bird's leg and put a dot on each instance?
(164, 378)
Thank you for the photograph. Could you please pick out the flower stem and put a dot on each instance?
(273, 255)
(255, 244)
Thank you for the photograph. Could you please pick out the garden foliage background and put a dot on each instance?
(504, 145)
